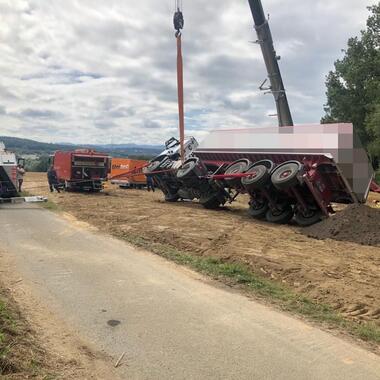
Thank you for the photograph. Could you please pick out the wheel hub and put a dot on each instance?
(285, 174)
(252, 175)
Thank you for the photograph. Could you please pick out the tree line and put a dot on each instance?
(353, 87)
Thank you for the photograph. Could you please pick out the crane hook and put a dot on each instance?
(178, 21)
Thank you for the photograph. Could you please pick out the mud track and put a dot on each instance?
(343, 274)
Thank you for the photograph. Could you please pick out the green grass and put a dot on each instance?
(367, 331)
(25, 194)
(5, 314)
(242, 276)
(49, 205)
(377, 176)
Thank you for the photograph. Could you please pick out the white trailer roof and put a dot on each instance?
(335, 141)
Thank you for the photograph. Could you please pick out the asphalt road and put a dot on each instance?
(170, 323)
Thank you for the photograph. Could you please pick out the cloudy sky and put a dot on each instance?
(103, 71)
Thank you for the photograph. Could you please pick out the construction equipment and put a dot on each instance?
(288, 171)
(8, 173)
(128, 173)
(81, 170)
(8, 179)
(271, 59)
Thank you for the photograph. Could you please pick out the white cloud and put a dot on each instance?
(94, 71)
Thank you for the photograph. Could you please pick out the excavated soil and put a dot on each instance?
(356, 223)
(332, 269)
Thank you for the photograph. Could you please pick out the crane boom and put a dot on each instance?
(271, 62)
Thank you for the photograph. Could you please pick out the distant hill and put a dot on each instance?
(30, 146)
(26, 146)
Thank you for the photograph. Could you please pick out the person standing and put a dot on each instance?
(149, 182)
(53, 179)
(20, 176)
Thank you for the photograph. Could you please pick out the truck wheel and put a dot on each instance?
(186, 194)
(171, 197)
(281, 216)
(237, 167)
(258, 178)
(190, 171)
(314, 216)
(258, 209)
(210, 203)
(186, 169)
(285, 175)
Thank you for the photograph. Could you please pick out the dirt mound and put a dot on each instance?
(356, 223)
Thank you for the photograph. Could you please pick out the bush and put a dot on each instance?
(40, 164)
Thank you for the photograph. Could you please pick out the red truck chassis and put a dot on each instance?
(81, 170)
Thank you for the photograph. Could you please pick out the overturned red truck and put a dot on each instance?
(288, 171)
(82, 169)
(296, 171)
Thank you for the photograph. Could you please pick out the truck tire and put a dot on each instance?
(258, 209)
(285, 175)
(315, 216)
(186, 194)
(186, 169)
(211, 203)
(281, 216)
(171, 197)
(258, 179)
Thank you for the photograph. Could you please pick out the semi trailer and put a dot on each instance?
(289, 171)
(127, 173)
(81, 170)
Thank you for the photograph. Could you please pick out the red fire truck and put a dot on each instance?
(82, 169)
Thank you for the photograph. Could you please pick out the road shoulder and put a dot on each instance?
(36, 342)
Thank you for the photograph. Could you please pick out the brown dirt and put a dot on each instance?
(34, 343)
(343, 274)
(356, 223)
